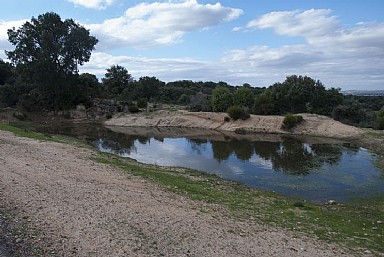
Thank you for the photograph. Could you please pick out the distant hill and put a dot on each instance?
(364, 92)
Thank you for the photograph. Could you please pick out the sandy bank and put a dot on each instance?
(313, 125)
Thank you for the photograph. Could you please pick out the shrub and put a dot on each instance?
(226, 119)
(142, 103)
(109, 115)
(236, 112)
(290, 121)
(133, 109)
(380, 119)
(380, 123)
(20, 115)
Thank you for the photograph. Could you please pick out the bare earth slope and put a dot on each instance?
(313, 125)
(91, 209)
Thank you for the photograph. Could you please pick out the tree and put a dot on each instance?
(47, 53)
(380, 119)
(244, 97)
(5, 72)
(200, 103)
(264, 104)
(222, 99)
(149, 88)
(90, 84)
(117, 79)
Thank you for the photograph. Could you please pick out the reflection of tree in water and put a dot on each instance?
(198, 145)
(243, 149)
(326, 153)
(120, 143)
(294, 158)
(298, 158)
(221, 150)
(290, 156)
(266, 150)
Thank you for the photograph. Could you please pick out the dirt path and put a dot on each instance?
(83, 208)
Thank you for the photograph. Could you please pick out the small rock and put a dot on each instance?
(18, 240)
(379, 222)
(367, 252)
(331, 202)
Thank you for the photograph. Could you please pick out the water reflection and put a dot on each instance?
(308, 168)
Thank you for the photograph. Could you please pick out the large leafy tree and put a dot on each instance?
(222, 99)
(243, 96)
(149, 88)
(48, 52)
(116, 80)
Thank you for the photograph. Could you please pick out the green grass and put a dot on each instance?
(42, 137)
(352, 225)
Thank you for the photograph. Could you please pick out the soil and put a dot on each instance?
(69, 205)
(313, 125)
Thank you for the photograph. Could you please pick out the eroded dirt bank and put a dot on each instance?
(313, 125)
(82, 208)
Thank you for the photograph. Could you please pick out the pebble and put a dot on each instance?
(18, 240)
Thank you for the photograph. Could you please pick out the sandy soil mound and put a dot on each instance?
(313, 125)
(90, 209)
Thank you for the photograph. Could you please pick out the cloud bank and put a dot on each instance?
(151, 24)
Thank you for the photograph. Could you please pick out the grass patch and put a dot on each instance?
(43, 137)
(356, 225)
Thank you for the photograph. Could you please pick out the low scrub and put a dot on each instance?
(133, 109)
(290, 121)
(237, 112)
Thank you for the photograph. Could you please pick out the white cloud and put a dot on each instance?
(93, 4)
(343, 57)
(308, 24)
(150, 24)
(4, 26)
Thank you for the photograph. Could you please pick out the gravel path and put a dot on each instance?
(90, 209)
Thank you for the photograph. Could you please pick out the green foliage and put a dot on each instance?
(264, 104)
(290, 121)
(221, 99)
(6, 72)
(298, 94)
(133, 109)
(149, 88)
(142, 103)
(90, 84)
(350, 112)
(47, 54)
(380, 119)
(237, 112)
(116, 79)
(243, 96)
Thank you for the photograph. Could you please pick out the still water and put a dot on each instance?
(312, 169)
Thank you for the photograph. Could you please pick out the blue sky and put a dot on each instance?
(259, 42)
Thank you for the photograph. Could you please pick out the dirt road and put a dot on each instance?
(73, 206)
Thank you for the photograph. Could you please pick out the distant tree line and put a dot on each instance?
(43, 75)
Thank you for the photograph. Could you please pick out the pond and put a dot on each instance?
(312, 169)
